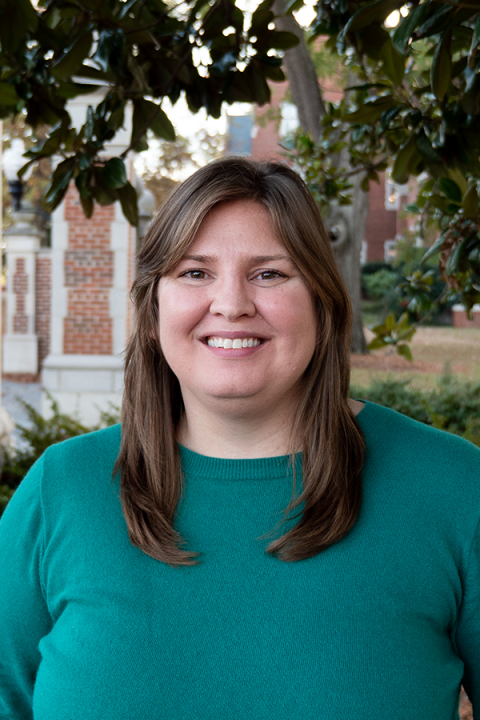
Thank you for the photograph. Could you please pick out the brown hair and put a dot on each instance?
(325, 428)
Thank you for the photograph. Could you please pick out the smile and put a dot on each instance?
(233, 343)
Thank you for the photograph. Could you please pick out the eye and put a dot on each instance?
(194, 274)
(270, 275)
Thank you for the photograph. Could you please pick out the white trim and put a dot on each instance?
(88, 362)
(461, 308)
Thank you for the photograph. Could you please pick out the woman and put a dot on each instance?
(246, 576)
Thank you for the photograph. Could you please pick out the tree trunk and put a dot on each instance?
(346, 223)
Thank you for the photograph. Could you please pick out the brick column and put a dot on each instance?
(92, 261)
(20, 343)
(43, 302)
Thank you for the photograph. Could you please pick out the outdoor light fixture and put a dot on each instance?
(13, 160)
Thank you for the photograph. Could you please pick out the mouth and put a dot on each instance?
(233, 343)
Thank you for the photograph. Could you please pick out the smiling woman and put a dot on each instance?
(267, 548)
(239, 250)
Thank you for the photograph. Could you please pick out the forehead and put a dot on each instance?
(236, 227)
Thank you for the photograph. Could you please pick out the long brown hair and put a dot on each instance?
(324, 427)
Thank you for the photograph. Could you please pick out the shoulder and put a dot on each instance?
(101, 446)
(421, 454)
(81, 465)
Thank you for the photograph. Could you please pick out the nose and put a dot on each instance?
(232, 298)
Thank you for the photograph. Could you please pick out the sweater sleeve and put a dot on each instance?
(25, 617)
(468, 626)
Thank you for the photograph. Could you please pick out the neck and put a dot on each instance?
(239, 434)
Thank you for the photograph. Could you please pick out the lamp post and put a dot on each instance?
(20, 341)
(13, 161)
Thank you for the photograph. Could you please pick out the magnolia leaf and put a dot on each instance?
(405, 351)
(403, 32)
(404, 160)
(128, 200)
(87, 206)
(441, 72)
(59, 184)
(8, 94)
(393, 63)
(114, 173)
(371, 111)
(470, 204)
(450, 190)
(72, 60)
(426, 148)
(370, 13)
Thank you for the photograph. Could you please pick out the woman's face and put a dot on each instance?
(237, 320)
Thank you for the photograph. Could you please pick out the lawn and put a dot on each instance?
(434, 350)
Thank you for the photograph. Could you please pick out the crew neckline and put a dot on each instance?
(266, 468)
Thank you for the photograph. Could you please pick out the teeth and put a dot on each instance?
(229, 343)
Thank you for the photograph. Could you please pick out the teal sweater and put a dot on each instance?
(383, 625)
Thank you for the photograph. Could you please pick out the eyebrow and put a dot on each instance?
(254, 259)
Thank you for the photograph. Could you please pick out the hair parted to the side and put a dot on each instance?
(325, 427)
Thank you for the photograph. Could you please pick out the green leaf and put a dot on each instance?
(69, 90)
(403, 32)
(435, 248)
(8, 94)
(441, 72)
(87, 206)
(426, 149)
(29, 14)
(261, 18)
(405, 351)
(17, 18)
(276, 39)
(162, 127)
(109, 50)
(371, 111)
(376, 343)
(114, 173)
(470, 204)
(59, 184)
(72, 60)
(370, 13)
(393, 63)
(128, 200)
(405, 161)
(450, 190)
(149, 116)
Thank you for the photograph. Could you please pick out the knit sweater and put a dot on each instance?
(383, 624)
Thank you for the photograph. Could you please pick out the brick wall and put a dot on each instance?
(381, 223)
(43, 294)
(89, 277)
(20, 289)
(460, 319)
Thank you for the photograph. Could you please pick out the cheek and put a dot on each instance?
(179, 312)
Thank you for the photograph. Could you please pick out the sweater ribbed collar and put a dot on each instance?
(214, 468)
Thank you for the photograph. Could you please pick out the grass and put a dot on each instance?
(434, 349)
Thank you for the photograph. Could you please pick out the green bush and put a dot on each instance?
(397, 395)
(380, 284)
(36, 438)
(453, 406)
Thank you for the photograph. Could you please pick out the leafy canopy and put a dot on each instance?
(414, 106)
(129, 52)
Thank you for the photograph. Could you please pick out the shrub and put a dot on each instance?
(36, 438)
(397, 395)
(453, 406)
(380, 284)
